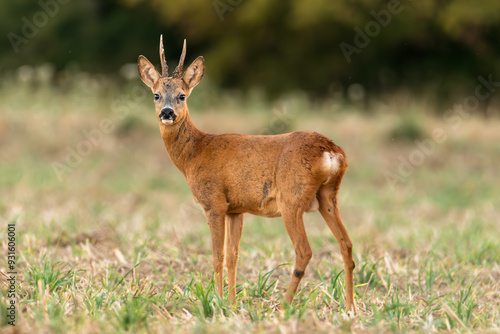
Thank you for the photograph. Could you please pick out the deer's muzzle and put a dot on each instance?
(167, 115)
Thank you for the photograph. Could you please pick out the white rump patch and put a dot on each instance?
(331, 162)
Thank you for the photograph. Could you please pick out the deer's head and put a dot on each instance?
(171, 93)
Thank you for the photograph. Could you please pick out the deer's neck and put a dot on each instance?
(181, 141)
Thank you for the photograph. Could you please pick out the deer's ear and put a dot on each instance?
(149, 74)
(194, 73)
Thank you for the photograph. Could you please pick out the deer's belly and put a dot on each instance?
(269, 208)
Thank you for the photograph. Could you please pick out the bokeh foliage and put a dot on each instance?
(434, 48)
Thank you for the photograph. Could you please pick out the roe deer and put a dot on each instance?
(232, 174)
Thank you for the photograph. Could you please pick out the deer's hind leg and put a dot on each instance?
(293, 213)
(328, 207)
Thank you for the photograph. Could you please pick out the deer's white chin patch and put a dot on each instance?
(167, 121)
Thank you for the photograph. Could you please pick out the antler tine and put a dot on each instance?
(164, 66)
(178, 70)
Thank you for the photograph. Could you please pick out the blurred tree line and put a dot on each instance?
(432, 47)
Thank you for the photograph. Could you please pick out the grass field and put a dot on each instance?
(109, 239)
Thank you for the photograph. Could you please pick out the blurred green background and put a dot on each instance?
(408, 90)
(434, 49)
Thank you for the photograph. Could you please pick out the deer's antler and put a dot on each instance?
(178, 70)
(164, 66)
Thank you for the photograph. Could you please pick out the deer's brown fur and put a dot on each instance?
(232, 174)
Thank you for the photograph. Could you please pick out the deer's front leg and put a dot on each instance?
(216, 221)
(234, 228)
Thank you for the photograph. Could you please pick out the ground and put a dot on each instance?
(108, 238)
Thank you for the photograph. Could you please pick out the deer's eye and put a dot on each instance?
(157, 97)
(182, 97)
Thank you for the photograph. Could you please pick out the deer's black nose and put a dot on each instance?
(167, 113)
